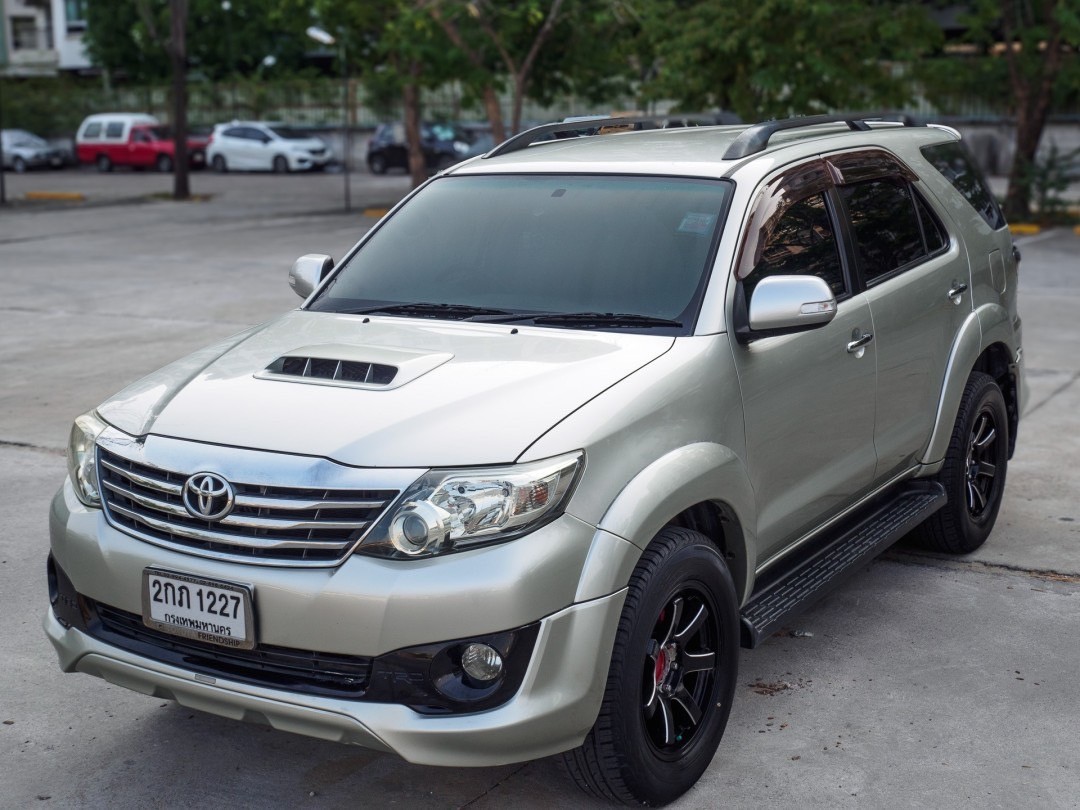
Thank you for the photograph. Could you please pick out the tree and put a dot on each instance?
(775, 58)
(1038, 36)
(231, 40)
(516, 30)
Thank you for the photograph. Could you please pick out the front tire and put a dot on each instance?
(163, 164)
(18, 165)
(672, 677)
(281, 164)
(974, 471)
(377, 164)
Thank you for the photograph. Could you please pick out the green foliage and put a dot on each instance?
(765, 58)
(128, 37)
(1049, 176)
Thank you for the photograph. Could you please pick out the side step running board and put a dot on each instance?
(780, 597)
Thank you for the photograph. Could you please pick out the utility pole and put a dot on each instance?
(178, 12)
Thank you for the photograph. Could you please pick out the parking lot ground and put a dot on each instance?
(924, 682)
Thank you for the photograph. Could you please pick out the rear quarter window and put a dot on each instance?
(92, 130)
(955, 164)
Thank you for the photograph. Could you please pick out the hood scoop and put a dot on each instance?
(345, 366)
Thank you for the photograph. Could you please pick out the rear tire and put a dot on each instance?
(672, 677)
(219, 165)
(377, 164)
(974, 471)
(103, 163)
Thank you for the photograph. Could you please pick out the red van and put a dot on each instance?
(131, 139)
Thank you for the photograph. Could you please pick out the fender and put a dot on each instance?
(986, 325)
(676, 481)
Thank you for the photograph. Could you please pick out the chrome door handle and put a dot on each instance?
(859, 342)
(957, 289)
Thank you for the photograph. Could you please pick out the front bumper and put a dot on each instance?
(552, 711)
(369, 607)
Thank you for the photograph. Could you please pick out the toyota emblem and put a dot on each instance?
(208, 496)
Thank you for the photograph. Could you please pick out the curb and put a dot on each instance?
(377, 213)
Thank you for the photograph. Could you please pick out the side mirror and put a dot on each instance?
(791, 304)
(308, 271)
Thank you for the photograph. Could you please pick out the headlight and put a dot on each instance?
(82, 460)
(461, 147)
(454, 510)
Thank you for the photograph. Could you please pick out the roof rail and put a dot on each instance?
(755, 138)
(574, 127)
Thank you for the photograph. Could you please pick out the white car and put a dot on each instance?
(264, 146)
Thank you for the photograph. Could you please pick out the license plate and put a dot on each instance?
(199, 609)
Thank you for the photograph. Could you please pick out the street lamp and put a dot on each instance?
(326, 38)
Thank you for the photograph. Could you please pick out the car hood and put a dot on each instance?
(463, 394)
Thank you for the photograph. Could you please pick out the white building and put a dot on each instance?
(42, 37)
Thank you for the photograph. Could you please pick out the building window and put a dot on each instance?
(25, 35)
(75, 14)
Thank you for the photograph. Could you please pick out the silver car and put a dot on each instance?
(24, 150)
(574, 422)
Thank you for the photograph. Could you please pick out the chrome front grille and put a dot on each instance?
(274, 525)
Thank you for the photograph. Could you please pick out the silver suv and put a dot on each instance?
(571, 424)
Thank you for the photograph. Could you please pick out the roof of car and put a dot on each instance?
(692, 151)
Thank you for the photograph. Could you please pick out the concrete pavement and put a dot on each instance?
(925, 682)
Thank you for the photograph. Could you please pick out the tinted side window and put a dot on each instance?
(802, 243)
(935, 234)
(956, 165)
(92, 130)
(114, 129)
(233, 132)
(884, 225)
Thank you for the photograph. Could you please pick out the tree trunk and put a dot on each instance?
(411, 93)
(1018, 197)
(178, 13)
(494, 114)
(519, 98)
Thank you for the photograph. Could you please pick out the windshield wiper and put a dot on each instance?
(583, 319)
(423, 309)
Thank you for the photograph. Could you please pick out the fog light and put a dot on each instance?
(481, 662)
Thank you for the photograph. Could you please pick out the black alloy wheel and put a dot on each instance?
(672, 676)
(680, 658)
(980, 466)
(974, 471)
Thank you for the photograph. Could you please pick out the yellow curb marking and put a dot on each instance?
(376, 212)
(1025, 229)
(70, 196)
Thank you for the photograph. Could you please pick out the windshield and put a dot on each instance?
(543, 244)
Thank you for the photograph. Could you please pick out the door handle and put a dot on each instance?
(957, 290)
(858, 342)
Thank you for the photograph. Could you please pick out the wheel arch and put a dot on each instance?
(703, 487)
(984, 343)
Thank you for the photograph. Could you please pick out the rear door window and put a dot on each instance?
(884, 226)
(114, 129)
